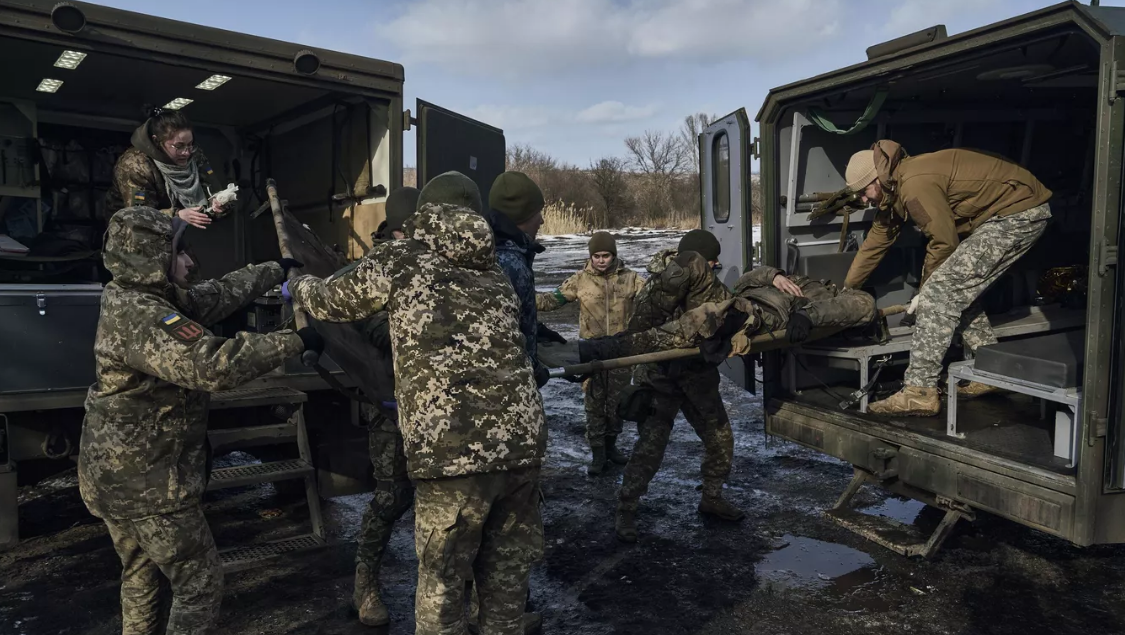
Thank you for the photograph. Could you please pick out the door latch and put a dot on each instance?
(1107, 257)
(756, 148)
(41, 303)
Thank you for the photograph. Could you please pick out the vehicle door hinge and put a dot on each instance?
(407, 120)
(756, 148)
(1118, 78)
(1107, 257)
(1101, 427)
(41, 303)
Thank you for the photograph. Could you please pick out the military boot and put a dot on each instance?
(713, 503)
(532, 623)
(366, 600)
(611, 451)
(975, 389)
(597, 463)
(626, 524)
(911, 401)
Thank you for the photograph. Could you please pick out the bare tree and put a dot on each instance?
(689, 135)
(610, 180)
(657, 155)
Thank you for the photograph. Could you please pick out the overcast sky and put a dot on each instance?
(573, 78)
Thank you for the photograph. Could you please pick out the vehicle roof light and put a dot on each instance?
(178, 103)
(213, 82)
(49, 85)
(70, 59)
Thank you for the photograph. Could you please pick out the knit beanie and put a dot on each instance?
(603, 241)
(451, 188)
(401, 204)
(861, 170)
(516, 196)
(701, 242)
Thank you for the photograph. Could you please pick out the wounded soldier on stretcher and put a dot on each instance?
(762, 304)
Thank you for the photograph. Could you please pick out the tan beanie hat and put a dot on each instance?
(861, 170)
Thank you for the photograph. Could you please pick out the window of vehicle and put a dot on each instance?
(720, 177)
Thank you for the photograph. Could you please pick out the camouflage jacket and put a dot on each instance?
(466, 393)
(824, 302)
(142, 451)
(677, 283)
(137, 181)
(605, 299)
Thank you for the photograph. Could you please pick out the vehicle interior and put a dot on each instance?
(60, 139)
(1033, 101)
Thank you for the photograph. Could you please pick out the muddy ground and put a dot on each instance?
(785, 569)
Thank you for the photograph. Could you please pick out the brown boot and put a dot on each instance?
(911, 401)
(366, 600)
(975, 389)
(611, 451)
(713, 503)
(626, 525)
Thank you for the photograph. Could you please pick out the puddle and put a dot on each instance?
(904, 511)
(846, 576)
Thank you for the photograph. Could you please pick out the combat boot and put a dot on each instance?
(597, 463)
(532, 623)
(975, 389)
(911, 401)
(611, 451)
(626, 524)
(713, 503)
(366, 600)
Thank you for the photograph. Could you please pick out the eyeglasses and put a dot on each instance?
(180, 147)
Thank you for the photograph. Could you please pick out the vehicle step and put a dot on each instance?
(223, 439)
(249, 397)
(247, 556)
(242, 475)
(903, 539)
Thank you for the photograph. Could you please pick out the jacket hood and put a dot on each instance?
(888, 154)
(458, 233)
(660, 261)
(509, 237)
(139, 247)
(142, 141)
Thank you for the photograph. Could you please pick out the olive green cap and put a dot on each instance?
(516, 196)
(603, 241)
(452, 188)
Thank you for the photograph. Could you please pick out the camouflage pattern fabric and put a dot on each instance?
(137, 181)
(177, 546)
(605, 299)
(394, 493)
(949, 299)
(466, 394)
(824, 302)
(141, 451)
(678, 282)
(601, 395)
(482, 527)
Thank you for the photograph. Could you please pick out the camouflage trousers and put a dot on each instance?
(394, 493)
(950, 299)
(481, 527)
(176, 547)
(602, 391)
(825, 304)
(696, 394)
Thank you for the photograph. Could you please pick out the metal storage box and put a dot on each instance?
(47, 336)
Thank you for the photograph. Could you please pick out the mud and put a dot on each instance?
(784, 570)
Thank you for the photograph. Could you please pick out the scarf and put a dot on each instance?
(183, 184)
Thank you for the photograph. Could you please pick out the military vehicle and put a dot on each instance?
(327, 126)
(1045, 90)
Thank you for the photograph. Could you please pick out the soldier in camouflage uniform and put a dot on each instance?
(981, 213)
(394, 493)
(141, 462)
(471, 417)
(680, 280)
(799, 304)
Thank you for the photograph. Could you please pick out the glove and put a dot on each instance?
(913, 306)
(311, 339)
(285, 295)
(545, 334)
(288, 263)
(717, 348)
(542, 375)
(381, 334)
(595, 349)
(799, 327)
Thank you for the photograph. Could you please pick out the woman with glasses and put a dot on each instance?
(165, 170)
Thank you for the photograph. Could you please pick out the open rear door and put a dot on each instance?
(724, 185)
(449, 141)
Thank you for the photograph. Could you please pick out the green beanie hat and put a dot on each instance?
(401, 204)
(516, 196)
(701, 242)
(602, 241)
(451, 188)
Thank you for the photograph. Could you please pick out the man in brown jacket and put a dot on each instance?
(980, 212)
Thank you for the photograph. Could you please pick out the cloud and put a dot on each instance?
(523, 38)
(909, 16)
(614, 112)
(513, 117)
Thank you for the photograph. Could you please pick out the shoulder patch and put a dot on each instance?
(918, 212)
(180, 328)
(138, 198)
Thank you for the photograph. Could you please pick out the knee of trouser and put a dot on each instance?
(392, 499)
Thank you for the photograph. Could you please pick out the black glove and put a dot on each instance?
(287, 264)
(311, 339)
(717, 348)
(595, 349)
(542, 375)
(381, 333)
(544, 334)
(800, 325)
(909, 319)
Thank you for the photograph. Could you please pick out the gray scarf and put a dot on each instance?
(183, 184)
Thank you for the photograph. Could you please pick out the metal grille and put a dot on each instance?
(251, 553)
(258, 469)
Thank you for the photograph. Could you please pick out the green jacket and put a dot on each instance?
(141, 452)
(605, 299)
